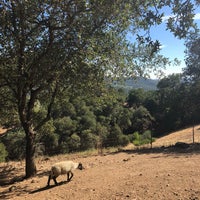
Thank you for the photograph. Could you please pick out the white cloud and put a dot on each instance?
(165, 18)
(163, 46)
(197, 16)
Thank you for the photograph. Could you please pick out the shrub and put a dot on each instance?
(116, 138)
(74, 142)
(102, 132)
(50, 142)
(15, 144)
(63, 147)
(145, 138)
(131, 137)
(113, 138)
(123, 140)
(88, 140)
(48, 137)
(136, 135)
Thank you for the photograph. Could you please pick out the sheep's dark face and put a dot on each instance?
(80, 166)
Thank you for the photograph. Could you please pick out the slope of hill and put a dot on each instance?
(120, 176)
(185, 135)
(128, 84)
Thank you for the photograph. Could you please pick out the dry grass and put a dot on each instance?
(114, 175)
(185, 135)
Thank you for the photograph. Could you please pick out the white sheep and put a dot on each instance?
(64, 167)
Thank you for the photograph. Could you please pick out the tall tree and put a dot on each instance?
(171, 97)
(51, 45)
(136, 97)
(192, 74)
(192, 70)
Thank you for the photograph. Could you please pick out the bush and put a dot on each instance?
(136, 136)
(145, 138)
(49, 138)
(74, 142)
(102, 132)
(113, 138)
(131, 137)
(123, 140)
(3, 153)
(116, 138)
(63, 147)
(50, 142)
(88, 140)
(15, 144)
(68, 144)
(147, 135)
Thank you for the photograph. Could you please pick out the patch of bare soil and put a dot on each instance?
(159, 174)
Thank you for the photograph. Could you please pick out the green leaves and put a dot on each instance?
(49, 47)
(181, 22)
(192, 70)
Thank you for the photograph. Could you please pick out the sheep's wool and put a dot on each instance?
(63, 167)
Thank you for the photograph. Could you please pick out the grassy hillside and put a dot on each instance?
(129, 84)
(185, 135)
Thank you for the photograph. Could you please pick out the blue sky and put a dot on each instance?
(171, 46)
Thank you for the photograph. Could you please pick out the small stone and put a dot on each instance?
(12, 188)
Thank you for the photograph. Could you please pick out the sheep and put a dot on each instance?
(64, 167)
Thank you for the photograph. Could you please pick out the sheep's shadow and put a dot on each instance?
(48, 187)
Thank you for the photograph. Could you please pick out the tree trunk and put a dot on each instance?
(30, 151)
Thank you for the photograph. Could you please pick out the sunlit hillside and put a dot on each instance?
(185, 135)
(129, 84)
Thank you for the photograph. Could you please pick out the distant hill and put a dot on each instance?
(129, 84)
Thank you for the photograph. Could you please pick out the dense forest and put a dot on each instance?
(113, 118)
(58, 63)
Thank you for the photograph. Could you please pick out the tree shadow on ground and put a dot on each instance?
(14, 190)
(9, 171)
(5, 174)
(179, 148)
(9, 175)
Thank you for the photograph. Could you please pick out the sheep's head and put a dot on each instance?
(80, 166)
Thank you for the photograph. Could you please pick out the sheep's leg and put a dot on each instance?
(69, 177)
(54, 178)
(49, 180)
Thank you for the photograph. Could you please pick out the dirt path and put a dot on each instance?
(156, 176)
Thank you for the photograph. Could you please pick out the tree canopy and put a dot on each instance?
(192, 70)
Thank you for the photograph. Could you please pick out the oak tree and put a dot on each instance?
(47, 46)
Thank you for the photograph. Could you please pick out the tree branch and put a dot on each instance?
(49, 109)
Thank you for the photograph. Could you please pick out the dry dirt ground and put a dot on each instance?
(166, 173)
